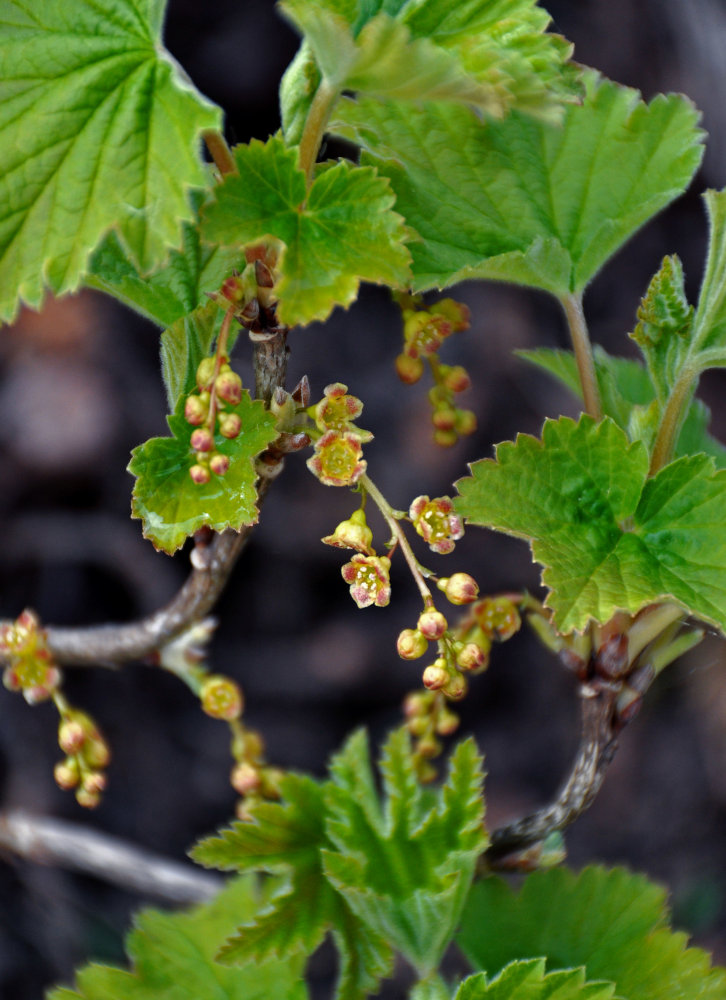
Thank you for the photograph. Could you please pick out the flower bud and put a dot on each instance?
(96, 752)
(228, 386)
(245, 778)
(456, 687)
(71, 736)
(411, 644)
(460, 588)
(229, 425)
(202, 439)
(409, 369)
(66, 773)
(444, 419)
(432, 624)
(195, 410)
(472, 657)
(219, 464)
(94, 782)
(88, 799)
(435, 676)
(205, 372)
(416, 703)
(199, 475)
(429, 746)
(445, 439)
(498, 616)
(352, 534)
(465, 422)
(457, 379)
(455, 312)
(221, 697)
(447, 723)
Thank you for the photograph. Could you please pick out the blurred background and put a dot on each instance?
(80, 387)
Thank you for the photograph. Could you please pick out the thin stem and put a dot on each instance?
(219, 151)
(315, 125)
(572, 304)
(221, 352)
(400, 536)
(672, 419)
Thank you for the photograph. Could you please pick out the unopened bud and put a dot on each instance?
(456, 687)
(432, 624)
(221, 697)
(429, 747)
(435, 676)
(447, 723)
(444, 419)
(472, 657)
(409, 369)
(411, 644)
(195, 410)
(202, 439)
(87, 799)
(71, 736)
(460, 588)
(205, 372)
(465, 422)
(245, 778)
(199, 474)
(229, 425)
(96, 752)
(219, 464)
(229, 387)
(66, 773)
(445, 439)
(457, 379)
(94, 782)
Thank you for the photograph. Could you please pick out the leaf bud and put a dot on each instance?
(245, 778)
(435, 676)
(411, 644)
(460, 588)
(221, 697)
(205, 372)
(409, 369)
(195, 410)
(228, 386)
(199, 474)
(229, 425)
(219, 464)
(432, 624)
(202, 439)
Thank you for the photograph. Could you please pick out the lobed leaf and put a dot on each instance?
(100, 132)
(610, 921)
(173, 958)
(526, 980)
(171, 506)
(608, 537)
(338, 233)
(521, 200)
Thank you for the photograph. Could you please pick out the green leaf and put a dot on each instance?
(628, 396)
(100, 132)
(290, 837)
(607, 537)
(527, 981)
(520, 200)
(172, 291)
(173, 958)
(610, 921)
(171, 506)
(405, 869)
(183, 346)
(299, 83)
(709, 324)
(488, 55)
(339, 232)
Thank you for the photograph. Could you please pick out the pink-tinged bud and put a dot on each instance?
(245, 778)
(435, 676)
(196, 410)
(411, 644)
(465, 422)
(199, 475)
(11, 680)
(94, 782)
(87, 799)
(233, 289)
(71, 736)
(460, 588)
(202, 439)
(444, 419)
(221, 698)
(432, 624)
(228, 386)
(409, 369)
(66, 773)
(457, 686)
(445, 439)
(457, 379)
(229, 425)
(219, 464)
(447, 723)
(417, 703)
(205, 372)
(472, 657)
(352, 534)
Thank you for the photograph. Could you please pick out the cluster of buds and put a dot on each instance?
(30, 666)
(442, 675)
(211, 411)
(251, 777)
(87, 756)
(251, 294)
(428, 717)
(490, 620)
(424, 331)
(437, 523)
(338, 458)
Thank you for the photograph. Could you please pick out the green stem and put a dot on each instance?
(315, 124)
(399, 534)
(572, 304)
(672, 419)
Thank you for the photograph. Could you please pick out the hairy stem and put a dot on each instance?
(315, 124)
(400, 536)
(672, 419)
(219, 151)
(572, 304)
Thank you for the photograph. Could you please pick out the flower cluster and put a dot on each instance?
(251, 777)
(428, 717)
(338, 458)
(436, 522)
(87, 755)
(424, 331)
(30, 666)
(211, 411)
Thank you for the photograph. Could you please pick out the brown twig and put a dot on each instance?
(74, 847)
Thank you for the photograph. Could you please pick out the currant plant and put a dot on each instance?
(478, 150)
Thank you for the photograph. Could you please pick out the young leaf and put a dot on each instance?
(339, 232)
(290, 837)
(527, 981)
(628, 396)
(481, 54)
(106, 139)
(520, 200)
(171, 506)
(183, 346)
(607, 537)
(609, 921)
(709, 324)
(172, 291)
(405, 870)
(173, 958)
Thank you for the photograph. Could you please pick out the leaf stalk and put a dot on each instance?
(572, 304)
(315, 125)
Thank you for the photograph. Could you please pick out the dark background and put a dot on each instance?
(80, 387)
